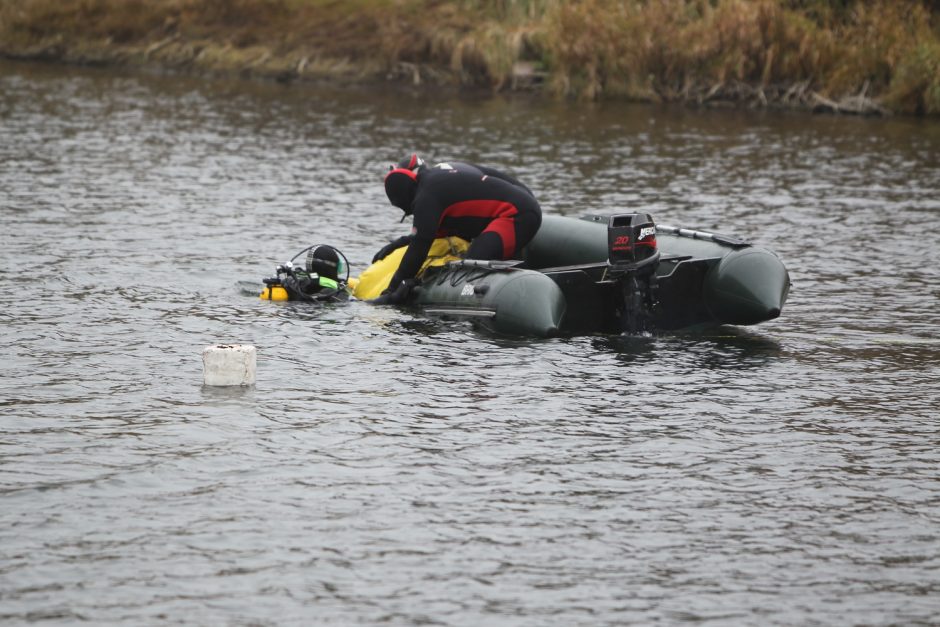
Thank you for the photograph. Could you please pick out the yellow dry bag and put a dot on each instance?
(374, 279)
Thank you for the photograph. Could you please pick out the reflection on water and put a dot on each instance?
(722, 347)
(393, 468)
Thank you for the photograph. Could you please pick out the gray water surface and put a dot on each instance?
(392, 469)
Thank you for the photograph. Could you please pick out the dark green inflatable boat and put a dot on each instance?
(611, 274)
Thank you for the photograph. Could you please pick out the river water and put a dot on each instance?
(392, 469)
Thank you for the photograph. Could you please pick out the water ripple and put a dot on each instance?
(392, 468)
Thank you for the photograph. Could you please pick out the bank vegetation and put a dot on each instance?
(861, 56)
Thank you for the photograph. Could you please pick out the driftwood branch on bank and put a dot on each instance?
(798, 95)
(859, 104)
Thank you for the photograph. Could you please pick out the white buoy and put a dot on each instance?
(229, 364)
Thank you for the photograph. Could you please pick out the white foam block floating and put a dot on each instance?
(229, 364)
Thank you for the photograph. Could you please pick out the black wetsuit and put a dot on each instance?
(497, 213)
(314, 290)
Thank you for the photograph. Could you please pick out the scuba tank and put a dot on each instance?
(273, 290)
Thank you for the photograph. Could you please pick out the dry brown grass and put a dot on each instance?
(885, 52)
(688, 50)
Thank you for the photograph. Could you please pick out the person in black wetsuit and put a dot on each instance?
(320, 281)
(495, 212)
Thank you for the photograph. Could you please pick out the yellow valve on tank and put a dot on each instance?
(275, 292)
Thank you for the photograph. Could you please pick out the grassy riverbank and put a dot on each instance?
(841, 55)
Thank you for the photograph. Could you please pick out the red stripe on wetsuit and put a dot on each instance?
(502, 213)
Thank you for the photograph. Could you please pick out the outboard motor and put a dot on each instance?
(632, 257)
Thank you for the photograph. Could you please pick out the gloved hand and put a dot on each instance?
(397, 296)
(386, 250)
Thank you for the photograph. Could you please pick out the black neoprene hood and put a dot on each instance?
(401, 183)
(324, 261)
(400, 187)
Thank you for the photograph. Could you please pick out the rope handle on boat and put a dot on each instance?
(458, 271)
(470, 269)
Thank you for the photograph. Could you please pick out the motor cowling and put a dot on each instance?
(631, 239)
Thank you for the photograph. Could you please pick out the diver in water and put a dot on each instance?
(495, 212)
(319, 281)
